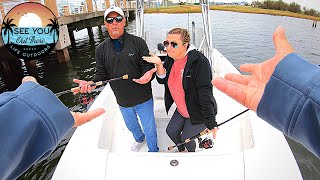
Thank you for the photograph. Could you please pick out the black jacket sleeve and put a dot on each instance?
(204, 89)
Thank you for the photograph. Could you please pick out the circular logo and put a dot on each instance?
(30, 31)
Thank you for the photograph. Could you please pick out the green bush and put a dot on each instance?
(283, 6)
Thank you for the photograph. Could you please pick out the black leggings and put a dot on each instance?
(180, 128)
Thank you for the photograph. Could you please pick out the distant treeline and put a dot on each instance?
(280, 5)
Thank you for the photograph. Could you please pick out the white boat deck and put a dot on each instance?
(245, 148)
(229, 138)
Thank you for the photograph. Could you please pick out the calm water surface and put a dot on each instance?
(242, 38)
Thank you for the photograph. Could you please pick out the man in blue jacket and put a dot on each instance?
(284, 91)
(32, 122)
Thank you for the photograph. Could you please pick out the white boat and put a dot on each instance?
(245, 148)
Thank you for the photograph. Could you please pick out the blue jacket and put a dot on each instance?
(291, 101)
(32, 122)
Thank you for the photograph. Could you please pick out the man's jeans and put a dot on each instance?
(146, 115)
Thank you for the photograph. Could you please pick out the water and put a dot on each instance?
(242, 38)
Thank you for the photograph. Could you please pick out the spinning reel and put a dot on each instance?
(206, 143)
(85, 99)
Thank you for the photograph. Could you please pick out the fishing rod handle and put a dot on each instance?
(77, 89)
(204, 132)
(189, 139)
(100, 83)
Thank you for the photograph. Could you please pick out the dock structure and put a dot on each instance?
(85, 15)
(314, 23)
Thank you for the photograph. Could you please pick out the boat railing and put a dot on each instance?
(206, 46)
(140, 18)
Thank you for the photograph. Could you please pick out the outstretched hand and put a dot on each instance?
(152, 59)
(248, 89)
(82, 118)
(79, 118)
(146, 77)
(214, 132)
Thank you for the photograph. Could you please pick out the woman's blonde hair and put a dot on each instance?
(185, 36)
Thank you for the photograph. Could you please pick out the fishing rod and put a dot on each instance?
(233, 117)
(206, 131)
(99, 83)
(189, 139)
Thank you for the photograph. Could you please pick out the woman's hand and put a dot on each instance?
(152, 59)
(214, 132)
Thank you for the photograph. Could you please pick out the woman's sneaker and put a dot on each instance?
(137, 146)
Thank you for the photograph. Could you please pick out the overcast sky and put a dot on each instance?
(315, 4)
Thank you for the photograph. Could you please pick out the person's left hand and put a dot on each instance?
(152, 59)
(248, 89)
(82, 118)
(146, 77)
(79, 118)
(214, 132)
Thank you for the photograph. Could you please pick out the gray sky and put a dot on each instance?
(315, 4)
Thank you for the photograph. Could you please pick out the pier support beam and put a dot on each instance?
(314, 23)
(2, 11)
(63, 55)
(37, 1)
(90, 33)
(52, 5)
(107, 3)
(1, 42)
(62, 45)
(72, 39)
(125, 4)
(89, 5)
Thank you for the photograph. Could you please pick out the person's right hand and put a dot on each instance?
(84, 86)
(248, 89)
(214, 132)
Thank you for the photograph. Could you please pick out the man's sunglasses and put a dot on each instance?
(173, 44)
(111, 19)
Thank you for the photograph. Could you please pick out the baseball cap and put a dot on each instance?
(113, 9)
